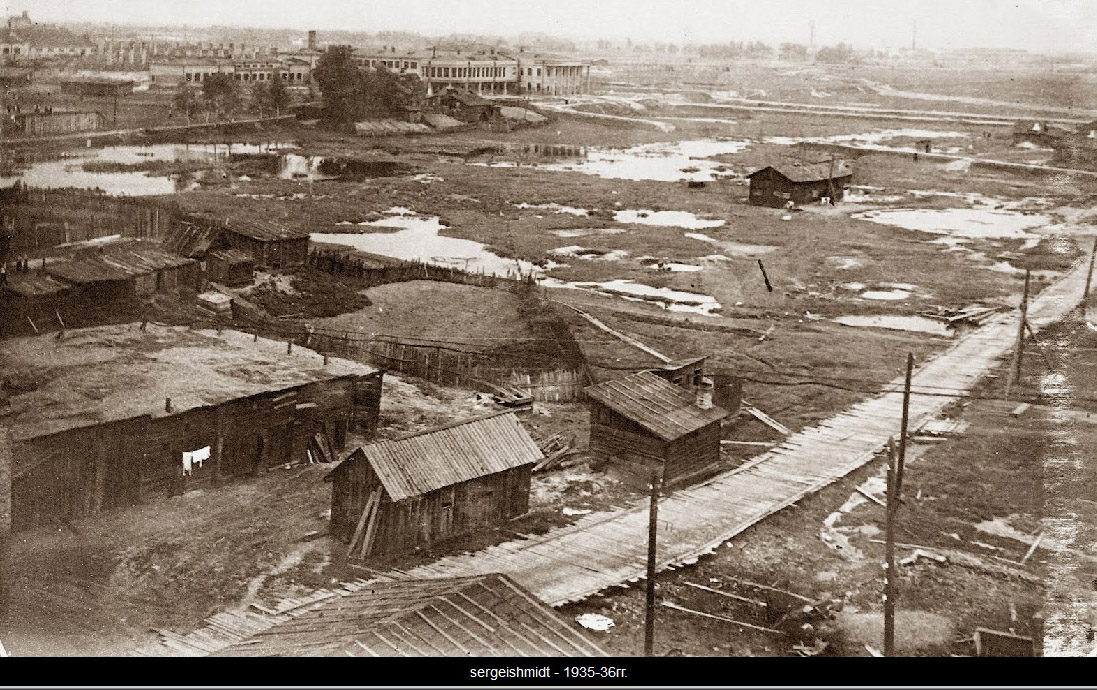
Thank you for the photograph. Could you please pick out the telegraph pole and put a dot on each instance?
(649, 609)
(894, 497)
(5, 528)
(1089, 275)
(1019, 350)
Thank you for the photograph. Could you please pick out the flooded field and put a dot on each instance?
(416, 238)
(676, 219)
(671, 300)
(662, 162)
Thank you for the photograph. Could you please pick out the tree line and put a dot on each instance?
(222, 96)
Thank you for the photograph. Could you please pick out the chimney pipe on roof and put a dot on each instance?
(167, 404)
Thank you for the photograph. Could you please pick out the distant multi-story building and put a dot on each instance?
(487, 73)
(175, 73)
(23, 40)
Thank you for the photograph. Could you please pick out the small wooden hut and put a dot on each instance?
(390, 497)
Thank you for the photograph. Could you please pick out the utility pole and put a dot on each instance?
(890, 584)
(894, 497)
(1019, 350)
(649, 609)
(1089, 276)
(5, 528)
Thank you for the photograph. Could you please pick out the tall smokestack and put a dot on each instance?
(914, 36)
(312, 39)
(811, 34)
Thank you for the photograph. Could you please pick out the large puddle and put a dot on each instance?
(68, 172)
(676, 219)
(671, 300)
(874, 139)
(733, 248)
(77, 169)
(416, 239)
(961, 222)
(920, 324)
(661, 162)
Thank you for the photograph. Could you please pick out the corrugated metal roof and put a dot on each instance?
(232, 256)
(120, 261)
(456, 453)
(809, 172)
(666, 410)
(483, 615)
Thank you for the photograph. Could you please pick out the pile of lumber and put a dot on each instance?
(973, 314)
(512, 397)
(555, 448)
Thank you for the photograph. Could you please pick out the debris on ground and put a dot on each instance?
(595, 621)
(919, 553)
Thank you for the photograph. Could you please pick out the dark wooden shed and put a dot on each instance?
(174, 409)
(392, 496)
(122, 269)
(644, 422)
(230, 267)
(687, 373)
(462, 105)
(801, 183)
(276, 247)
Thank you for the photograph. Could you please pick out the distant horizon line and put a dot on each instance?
(561, 37)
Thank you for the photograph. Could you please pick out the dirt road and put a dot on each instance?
(607, 549)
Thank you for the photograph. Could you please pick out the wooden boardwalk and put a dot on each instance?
(606, 549)
(602, 550)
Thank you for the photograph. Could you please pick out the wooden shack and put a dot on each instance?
(230, 267)
(124, 269)
(644, 423)
(117, 415)
(473, 616)
(800, 183)
(462, 105)
(390, 497)
(276, 247)
(1036, 132)
(687, 373)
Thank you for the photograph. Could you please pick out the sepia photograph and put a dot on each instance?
(560, 342)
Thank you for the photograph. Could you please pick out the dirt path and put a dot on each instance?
(607, 549)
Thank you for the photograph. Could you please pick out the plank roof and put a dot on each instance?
(117, 261)
(35, 284)
(664, 409)
(110, 373)
(481, 615)
(268, 233)
(455, 453)
(232, 256)
(808, 172)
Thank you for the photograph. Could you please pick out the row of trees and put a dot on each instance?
(350, 94)
(222, 96)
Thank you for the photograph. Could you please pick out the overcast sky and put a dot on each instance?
(1036, 25)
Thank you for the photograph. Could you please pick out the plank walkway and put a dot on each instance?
(602, 550)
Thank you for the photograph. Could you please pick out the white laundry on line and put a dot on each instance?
(194, 458)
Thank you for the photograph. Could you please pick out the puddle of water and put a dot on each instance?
(671, 300)
(662, 162)
(427, 178)
(920, 324)
(870, 139)
(733, 248)
(69, 172)
(660, 265)
(571, 210)
(582, 232)
(844, 263)
(594, 254)
(961, 222)
(417, 239)
(856, 287)
(678, 219)
(885, 294)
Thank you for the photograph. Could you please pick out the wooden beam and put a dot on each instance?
(765, 419)
(676, 607)
(361, 524)
(748, 583)
(729, 595)
(371, 528)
